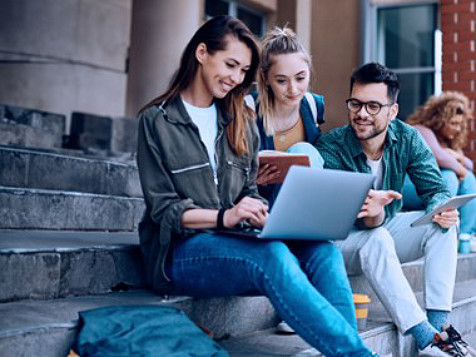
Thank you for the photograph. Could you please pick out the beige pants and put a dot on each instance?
(378, 253)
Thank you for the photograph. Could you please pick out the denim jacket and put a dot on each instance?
(176, 175)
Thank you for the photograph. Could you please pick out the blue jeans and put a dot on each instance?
(315, 157)
(305, 281)
(411, 200)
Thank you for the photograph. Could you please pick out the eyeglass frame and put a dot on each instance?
(364, 104)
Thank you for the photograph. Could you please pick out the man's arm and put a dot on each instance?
(425, 174)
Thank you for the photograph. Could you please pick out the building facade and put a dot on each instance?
(109, 57)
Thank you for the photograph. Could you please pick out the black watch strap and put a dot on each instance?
(221, 213)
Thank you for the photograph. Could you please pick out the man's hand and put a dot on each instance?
(447, 218)
(251, 209)
(372, 210)
(267, 173)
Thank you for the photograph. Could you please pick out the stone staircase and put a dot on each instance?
(68, 243)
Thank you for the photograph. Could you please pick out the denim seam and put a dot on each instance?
(266, 277)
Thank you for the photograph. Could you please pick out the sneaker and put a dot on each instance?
(283, 327)
(456, 337)
(447, 343)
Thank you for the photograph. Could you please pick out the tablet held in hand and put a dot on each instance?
(453, 203)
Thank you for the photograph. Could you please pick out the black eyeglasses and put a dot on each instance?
(373, 108)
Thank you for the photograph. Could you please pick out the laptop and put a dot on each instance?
(314, 204)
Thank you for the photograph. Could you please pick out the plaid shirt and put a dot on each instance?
(405, 151)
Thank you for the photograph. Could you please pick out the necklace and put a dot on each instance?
(282, 134)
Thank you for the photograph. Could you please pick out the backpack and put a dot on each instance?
(316, 104)
(142, 331)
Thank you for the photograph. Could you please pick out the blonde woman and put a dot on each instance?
(288, 122)
(288, 115)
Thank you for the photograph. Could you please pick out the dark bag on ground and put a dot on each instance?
(142, 331)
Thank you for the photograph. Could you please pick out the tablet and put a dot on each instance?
(454, 202)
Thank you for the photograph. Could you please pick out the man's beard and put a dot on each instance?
(375, 132)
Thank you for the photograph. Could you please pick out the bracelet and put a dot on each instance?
(221, 214)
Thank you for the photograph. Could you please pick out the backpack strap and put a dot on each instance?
(312, 104)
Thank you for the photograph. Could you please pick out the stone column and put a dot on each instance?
(160, 31)
(60, 56)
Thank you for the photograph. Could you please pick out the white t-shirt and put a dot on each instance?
(377, 170)
(206, 121)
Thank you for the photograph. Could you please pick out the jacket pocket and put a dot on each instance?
(195, 181)
(235, 178)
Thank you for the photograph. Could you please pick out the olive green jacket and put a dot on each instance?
(176, 175)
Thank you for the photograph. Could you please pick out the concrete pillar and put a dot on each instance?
(335, 50)
(297, 14)
(160, 31)
(303, 22)
(60, 56)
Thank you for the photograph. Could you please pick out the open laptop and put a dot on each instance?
(314, 204)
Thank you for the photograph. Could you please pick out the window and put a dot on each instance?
(406, 39)
(252, 18)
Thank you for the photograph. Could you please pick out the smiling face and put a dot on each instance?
(288, 77)
(223, 70)
(364, 125)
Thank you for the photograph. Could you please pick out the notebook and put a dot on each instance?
(314, 204)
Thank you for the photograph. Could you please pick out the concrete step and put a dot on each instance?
(55, 264)
(30, 127)
(47, 328)
(242, 324)
(118, 134)
(38, 169)
(381, 335)
(466, 270)
(23, 208)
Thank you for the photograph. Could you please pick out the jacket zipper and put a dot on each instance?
(219, 135)
(193, 167)
(246, 169)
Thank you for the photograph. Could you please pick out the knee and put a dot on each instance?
(451, 181)
(449, 236)
(380, 243)
(275, 256)
(315, 157)
(328, 250)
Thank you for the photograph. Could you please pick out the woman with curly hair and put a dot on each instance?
(443, 121)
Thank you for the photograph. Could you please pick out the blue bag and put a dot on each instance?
(142, 331)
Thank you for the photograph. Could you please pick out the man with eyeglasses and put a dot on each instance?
(376, 142)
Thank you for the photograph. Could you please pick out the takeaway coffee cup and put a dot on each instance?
(465, 243)
(361, 302)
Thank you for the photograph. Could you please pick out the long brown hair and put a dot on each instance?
(277, 42)
(438, 111)
(214, 35)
